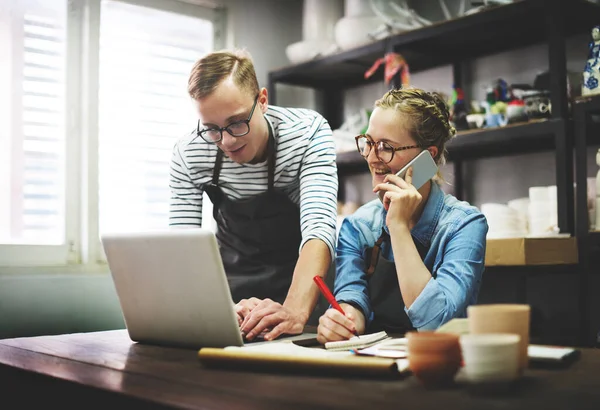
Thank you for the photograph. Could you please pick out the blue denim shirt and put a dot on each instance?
(453, 234)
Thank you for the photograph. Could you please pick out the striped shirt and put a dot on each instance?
(305, 169)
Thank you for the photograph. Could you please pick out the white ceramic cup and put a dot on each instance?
(490, 358)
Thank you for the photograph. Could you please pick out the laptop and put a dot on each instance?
(172, 287)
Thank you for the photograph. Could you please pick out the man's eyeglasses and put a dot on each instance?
(235, 129)
(383, 150)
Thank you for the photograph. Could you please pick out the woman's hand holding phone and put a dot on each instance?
(400, 198)
(399, 193)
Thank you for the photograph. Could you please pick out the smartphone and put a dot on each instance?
(424, 168)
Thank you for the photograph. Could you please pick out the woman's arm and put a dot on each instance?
(457, 278)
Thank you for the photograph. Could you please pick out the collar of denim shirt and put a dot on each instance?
(425, 227)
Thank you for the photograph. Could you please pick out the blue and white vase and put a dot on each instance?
(591, 73)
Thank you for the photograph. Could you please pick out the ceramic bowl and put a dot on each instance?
(434, 358)
(475, 120)
(516, 113)
(307, 50)
(353, 32)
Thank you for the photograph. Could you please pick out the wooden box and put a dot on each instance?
(531, 251)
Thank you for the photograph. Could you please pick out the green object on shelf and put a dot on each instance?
(498, 108)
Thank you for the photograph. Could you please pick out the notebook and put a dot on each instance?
(552, 354)
(393, 348)
(357, 342)
(290, 357)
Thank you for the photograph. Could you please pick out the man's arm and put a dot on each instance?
(185, 208)
(300, 301)
(302, 297)
(318, 218)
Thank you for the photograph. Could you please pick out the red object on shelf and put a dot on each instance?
(394, 62)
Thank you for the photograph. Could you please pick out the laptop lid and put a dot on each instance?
(172, 287)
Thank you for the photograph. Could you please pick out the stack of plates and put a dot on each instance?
(307, 50)
(542, 211)
(504, 221)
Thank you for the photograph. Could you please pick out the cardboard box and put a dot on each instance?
(531, 251)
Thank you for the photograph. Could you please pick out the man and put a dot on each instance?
(271, 175)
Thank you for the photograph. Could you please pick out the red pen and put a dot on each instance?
(329, 296)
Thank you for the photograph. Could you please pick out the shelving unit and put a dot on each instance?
(463, 39)
(587, 131)
(446, 42)
(455, 43)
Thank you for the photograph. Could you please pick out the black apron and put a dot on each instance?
(258, 237)
(384, 290)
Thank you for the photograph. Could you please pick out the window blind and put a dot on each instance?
(145, 59)
(32, 211)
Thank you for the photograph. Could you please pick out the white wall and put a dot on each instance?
(265, 28)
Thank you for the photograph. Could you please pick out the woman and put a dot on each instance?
(437, 241)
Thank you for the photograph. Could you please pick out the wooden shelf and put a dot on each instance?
(592, 101)
(532, 136)
(505, 27)
(518, 138)
(346, 69)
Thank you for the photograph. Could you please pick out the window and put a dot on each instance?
(32, 122)
(96, 98)
(145, 59)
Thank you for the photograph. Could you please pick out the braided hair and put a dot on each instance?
(425, 116)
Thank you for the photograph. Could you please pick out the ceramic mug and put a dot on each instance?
(503, 318)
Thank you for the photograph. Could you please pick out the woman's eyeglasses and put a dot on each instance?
(383, 150)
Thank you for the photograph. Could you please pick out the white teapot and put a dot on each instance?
(591, 72)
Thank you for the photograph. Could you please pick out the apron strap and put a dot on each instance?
(217, 168)
(272, 158)
(375, 251)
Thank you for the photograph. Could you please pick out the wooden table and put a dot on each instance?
(97, 370)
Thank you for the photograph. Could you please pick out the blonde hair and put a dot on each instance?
(426, 117)
(212, 69)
